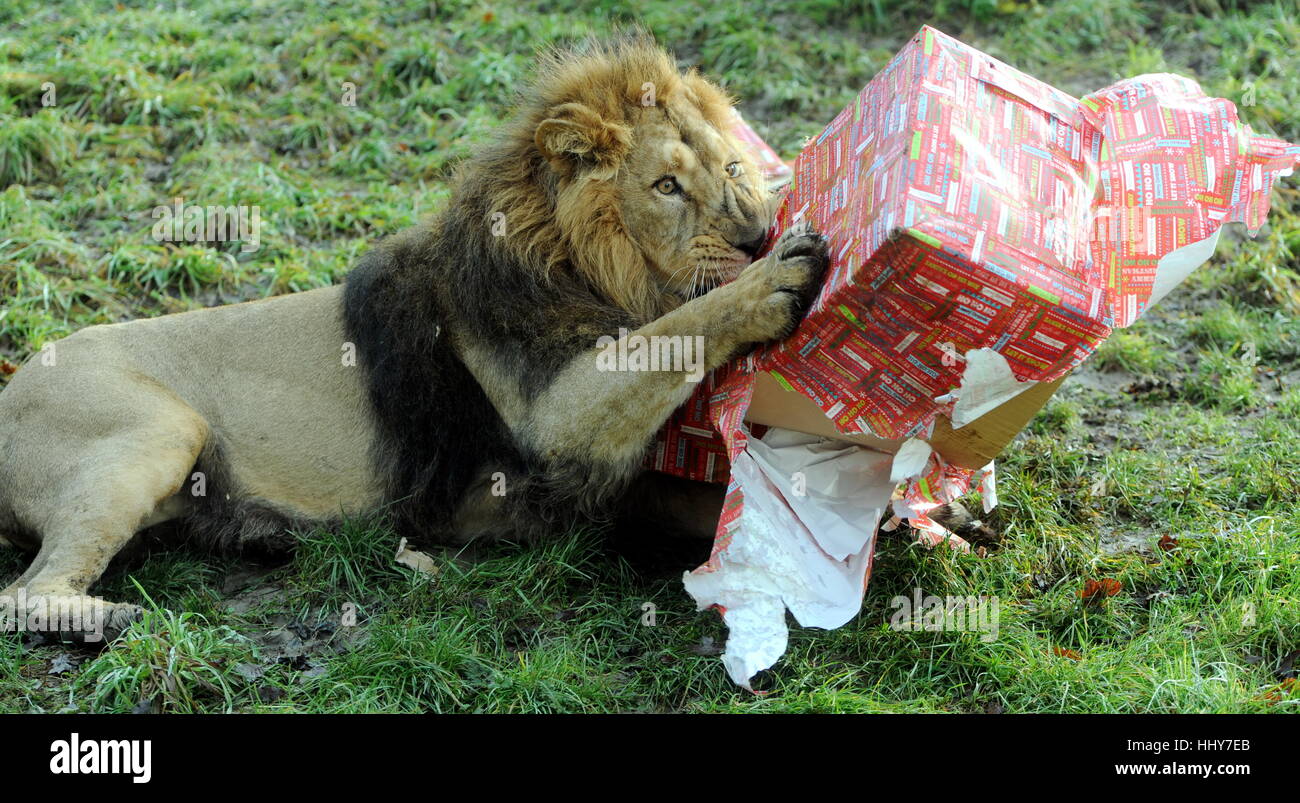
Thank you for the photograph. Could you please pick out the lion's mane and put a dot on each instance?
(529, 264)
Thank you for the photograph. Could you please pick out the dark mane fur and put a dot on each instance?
(529, 297)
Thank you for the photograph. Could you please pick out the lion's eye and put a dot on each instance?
(666, 185)
(734, 169)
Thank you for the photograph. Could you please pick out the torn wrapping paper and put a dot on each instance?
(987, 233)
(987, 382)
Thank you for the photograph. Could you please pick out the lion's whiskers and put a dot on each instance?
(676, 272)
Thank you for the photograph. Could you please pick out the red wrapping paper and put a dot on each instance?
(969, 205)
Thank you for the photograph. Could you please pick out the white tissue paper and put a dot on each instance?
(812, 507)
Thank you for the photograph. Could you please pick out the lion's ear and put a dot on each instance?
(574, 131)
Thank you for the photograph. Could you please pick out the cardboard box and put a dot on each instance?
(972, 446)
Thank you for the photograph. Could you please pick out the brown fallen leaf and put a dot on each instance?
(1167, 542)
(1064, 653)
(416, 560)
(7, 368)
(1278, 692)
(1100, 589)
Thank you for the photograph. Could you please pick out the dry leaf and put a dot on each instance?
(416, 560)
(1100, 589)
(1281, 690)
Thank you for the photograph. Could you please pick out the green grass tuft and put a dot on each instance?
(167, 662)
(34, 148)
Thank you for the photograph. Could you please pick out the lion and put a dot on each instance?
(452, 380)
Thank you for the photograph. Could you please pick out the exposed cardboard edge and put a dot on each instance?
(972, 446)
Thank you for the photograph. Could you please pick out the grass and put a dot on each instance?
(166, 663)
(1169, 465)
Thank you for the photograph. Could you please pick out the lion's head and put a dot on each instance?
(622, 168)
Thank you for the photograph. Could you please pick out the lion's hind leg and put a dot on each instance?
(94, 510)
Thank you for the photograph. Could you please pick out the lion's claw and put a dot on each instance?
(782, 285)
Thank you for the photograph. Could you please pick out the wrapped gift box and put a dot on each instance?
(987, 233)
(971, 207)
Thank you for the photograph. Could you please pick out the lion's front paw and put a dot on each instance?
(779, 287)
(121, 615)
(73, 618)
